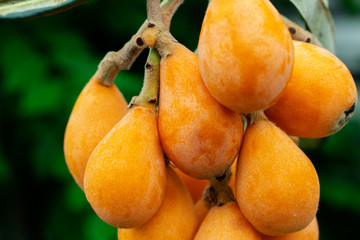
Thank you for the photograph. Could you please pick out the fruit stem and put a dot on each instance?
(113, 62)
(300, 34)
(253, 117)
(150, 90)
(154, 13)
(220, 192)
(161, 40)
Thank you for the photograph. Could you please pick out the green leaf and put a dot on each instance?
(41, 99)
(15, 9)
(318, 19)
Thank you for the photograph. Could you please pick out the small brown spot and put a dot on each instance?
(151, 25)
(139, 41)
(292, 30)
(220, 178)
(154, 100)
(308, 40)
(148, 66)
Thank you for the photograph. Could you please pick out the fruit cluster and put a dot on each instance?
(232, 107)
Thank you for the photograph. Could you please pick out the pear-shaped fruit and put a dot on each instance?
(176, 218)
(97, 109)
(311, 232)
(320, 97)
(198, 134)
(125, 175)
(226, 222)
(277, 187)
(246, 53)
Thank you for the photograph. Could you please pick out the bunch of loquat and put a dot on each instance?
(206, 150)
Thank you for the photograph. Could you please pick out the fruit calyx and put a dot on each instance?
(219, 192)
(348, 114)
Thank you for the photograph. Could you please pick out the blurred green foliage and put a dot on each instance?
(44, 64)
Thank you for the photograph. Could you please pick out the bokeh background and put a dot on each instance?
(44, 64)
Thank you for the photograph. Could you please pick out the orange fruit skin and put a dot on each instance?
(195, 186)
(198, 134)
(97, 109)
(311, 232)
(175, 219)
(246, 53)
(232, 178)
(125, 175)
(277, 187)
(202, 209)
(226, 222)
(320, 89)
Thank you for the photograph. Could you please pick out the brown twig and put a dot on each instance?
(150, 89)
(300, 34)
(113, 62)
(153, 12)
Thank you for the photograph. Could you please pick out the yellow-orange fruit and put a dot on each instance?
(277, 187)
(311, 232)
(246, 53)
(175, 219)
(202, 208)
(226, 222)
(199, 135)
(125, 175)
(320, 97)
(195, 186)
(97, 109)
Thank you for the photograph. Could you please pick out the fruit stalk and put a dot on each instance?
(153, 12)
(300, 34)
(150, 89)
(113, 62)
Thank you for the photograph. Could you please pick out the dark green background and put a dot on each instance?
(44, 64)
